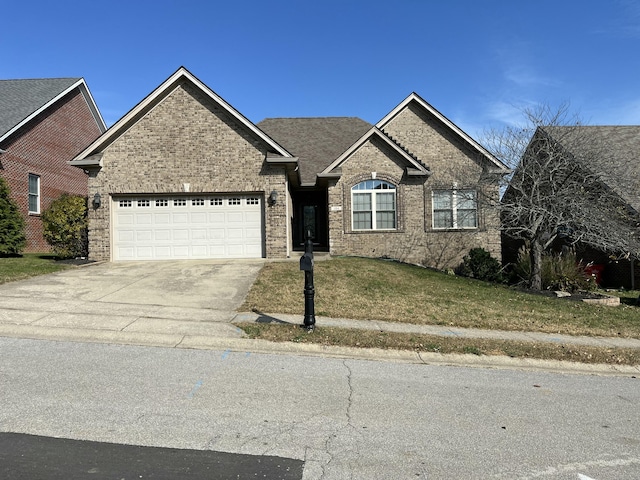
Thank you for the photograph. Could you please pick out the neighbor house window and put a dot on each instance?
(455, 209)
(34, 193)
(373, 205)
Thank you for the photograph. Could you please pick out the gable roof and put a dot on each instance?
(415, 99)
(415, 166)
(316, 141)
(23, 100)
(618, 157)
(91, 156)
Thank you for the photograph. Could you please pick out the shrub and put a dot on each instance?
(479, 264)
(561, 272)
(12, 236)
(64, 226)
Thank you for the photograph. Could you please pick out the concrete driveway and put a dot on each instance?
(174, 298)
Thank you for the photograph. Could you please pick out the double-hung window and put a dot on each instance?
(373, 205)
(34, 193)
(455, 209)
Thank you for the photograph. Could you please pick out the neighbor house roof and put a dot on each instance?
(316, 141)
(617, 158)
(23, 100)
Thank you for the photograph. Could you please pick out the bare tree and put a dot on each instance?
(563, 180)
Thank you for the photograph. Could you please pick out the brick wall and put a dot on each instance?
(187, 138)
(43, 148)
(451, 162)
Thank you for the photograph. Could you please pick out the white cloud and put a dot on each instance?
(524, 76)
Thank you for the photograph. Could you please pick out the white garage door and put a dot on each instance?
(184, 227)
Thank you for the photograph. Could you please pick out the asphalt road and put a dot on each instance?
(338, 419)
(33, 457)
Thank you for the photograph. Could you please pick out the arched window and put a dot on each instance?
(373, 205)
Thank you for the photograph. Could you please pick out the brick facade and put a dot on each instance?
(451, 162)
(187, 138)
(43, 147)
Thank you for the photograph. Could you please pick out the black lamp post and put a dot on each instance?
(306, 264)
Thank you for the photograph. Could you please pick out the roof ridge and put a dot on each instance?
(313, 118)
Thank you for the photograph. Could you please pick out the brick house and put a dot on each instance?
(185, 175)
(609, 153)
(43, 124)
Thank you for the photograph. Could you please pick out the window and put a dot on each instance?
(125, 203)
(34, 193)
(216, 202)
(253, 201)
(235, 201)
(373, 205)
(197, 202)
(162, 202)
(455, 209)
(144, 203)
(180, 202)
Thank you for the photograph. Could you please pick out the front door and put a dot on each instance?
(310, 214)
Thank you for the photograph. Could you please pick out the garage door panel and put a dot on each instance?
(199, 234)
(162, 235)
(126, 235)
(126, 253)
(144, 253)
(181, 251)
(162, 252)
(144, 235)
(213, 226)
(181, 235)
(126, 218)
(143, 219)
(162, 219)
(180, 218)
(199, 217)
(235, 217)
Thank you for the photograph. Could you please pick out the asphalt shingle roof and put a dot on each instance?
(316, 141)
(618, 159)
(21, 98)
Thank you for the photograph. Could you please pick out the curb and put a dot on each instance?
(200, 342)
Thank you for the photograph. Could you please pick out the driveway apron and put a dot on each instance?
(172, 296)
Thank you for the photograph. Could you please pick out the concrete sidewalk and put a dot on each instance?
(443, 331)
(186, 304)
(195, 328)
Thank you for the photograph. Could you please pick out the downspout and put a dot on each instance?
(288, 219)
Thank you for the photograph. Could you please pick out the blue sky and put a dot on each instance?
(479, 62)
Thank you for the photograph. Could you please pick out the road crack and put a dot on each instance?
(346, 439)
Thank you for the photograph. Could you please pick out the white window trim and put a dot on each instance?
(454, 209)
(36, 195)
(374, 210)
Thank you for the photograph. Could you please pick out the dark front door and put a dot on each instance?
(310, 214)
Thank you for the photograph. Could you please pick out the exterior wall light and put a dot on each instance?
(97, 200)
(273, 198)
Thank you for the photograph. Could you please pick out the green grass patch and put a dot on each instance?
(330, 336)
(28, 265)
(370, 289)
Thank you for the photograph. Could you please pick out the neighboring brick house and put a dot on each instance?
(610, 153)
(185, 175)
(43, 124)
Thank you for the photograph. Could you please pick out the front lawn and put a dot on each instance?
(28, 265)
(373, 289)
